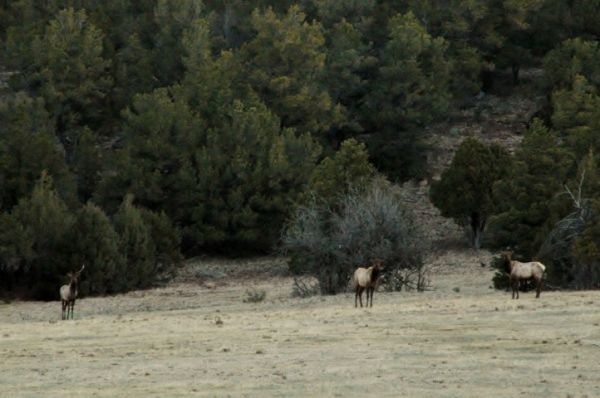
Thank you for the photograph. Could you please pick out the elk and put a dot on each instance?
(519, 271)
(366, 279)
(68, 293)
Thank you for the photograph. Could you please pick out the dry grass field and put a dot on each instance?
(192, 338)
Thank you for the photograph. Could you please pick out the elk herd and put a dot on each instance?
(363, 279)
(518, 272)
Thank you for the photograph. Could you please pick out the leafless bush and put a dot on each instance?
(305, 286)
(330, 243)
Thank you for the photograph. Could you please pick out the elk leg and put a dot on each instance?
(538, 288)
(360, 292)
(62, 303)
(372, 291)
(72, 308)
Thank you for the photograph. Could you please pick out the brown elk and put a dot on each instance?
(68, 293)
(519, 271)
(366, 279)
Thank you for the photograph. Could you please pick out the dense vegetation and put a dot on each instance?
(132, 132)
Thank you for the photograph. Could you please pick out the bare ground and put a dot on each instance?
(462, 339)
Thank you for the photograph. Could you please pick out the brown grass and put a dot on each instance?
(189, 340)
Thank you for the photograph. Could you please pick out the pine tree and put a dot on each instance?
(525, 199)
(94, 242)
(465, 191)
(411, 90)
(28, 146)
(285, 63)
(347, 170)
(135, 242)
(45, 221)
(577, 116)
(70, 73)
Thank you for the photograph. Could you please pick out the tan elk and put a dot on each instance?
(366, 279)
(68, 293)
(519, 271)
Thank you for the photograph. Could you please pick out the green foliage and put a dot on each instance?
(172, 19)
(348, 65)
(87, 164)
(569, 248)
(411, 89)
(248, 174)
(136, 245)
(70, 73)
(525, 197)
(336, 176)
(373, 224)
(166, 238)
(28, 146)
(286, 63)
(577, 116)
(465, 191)
(208, 112)
(39, 226)
(570, 60)
(93, 241)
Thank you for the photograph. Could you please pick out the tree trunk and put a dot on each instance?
(515, 68)
(477, 228)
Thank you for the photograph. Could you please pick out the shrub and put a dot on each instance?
(93, 241)
(330, 244)
(255, 296)
(136, 245)
(37, 241)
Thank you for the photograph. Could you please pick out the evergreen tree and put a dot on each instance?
(336, 176)
(166, 238)
(412, 89)
(577, 116)
(28, 146)
(348, 66)
(465, 191)
(172, 19)
(524, 198)
(570, 60)
(44, 224)
(70, 73)
(94, 242)
(285, 63)
(249, 172)
(137, 247)
(87, 162)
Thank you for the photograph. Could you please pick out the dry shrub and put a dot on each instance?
(329, 243)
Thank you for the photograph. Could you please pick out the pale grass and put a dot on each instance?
(167, 343)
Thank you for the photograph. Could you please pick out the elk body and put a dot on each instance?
(366, 279)
(519, 271)
(68, 294)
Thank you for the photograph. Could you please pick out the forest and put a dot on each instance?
(136, 134)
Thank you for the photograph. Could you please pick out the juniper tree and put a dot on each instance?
(465, 190)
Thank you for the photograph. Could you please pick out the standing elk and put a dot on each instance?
(68, 293)
(519, 271)
(366, 279)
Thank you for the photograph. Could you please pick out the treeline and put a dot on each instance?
(210, 120)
